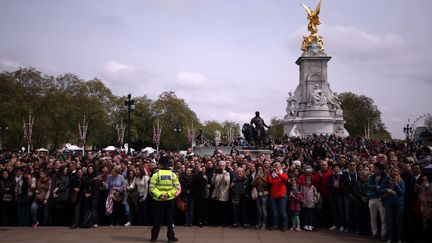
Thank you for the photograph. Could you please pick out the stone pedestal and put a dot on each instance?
(313, 108)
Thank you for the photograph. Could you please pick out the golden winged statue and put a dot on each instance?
(313, 17)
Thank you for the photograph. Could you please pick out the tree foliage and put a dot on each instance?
(360, 113)
(277, 128)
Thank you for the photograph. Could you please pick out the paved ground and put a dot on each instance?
(185, 234)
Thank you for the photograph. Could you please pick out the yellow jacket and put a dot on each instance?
(164, 182)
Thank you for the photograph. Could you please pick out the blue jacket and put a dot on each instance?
(393, 199)
(373, 187)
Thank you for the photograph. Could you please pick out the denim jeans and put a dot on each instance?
(261, 204)
(394, 222)
(279, 209)
(34, 212)
(127, 212)
(189, 210)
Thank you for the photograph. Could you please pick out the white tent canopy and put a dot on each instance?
(74, 148)
(41, 150)
(109, 148)
(149, 150)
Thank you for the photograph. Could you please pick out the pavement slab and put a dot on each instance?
(136, 234)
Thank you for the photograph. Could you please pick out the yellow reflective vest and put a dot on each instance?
(164, 181)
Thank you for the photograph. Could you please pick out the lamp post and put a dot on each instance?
(3, 129)
(130, 105)
(408, 130)
(177, 130)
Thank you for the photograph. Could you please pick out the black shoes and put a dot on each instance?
(153, 240)
(172, 240)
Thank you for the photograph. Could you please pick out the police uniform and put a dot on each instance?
(164, 181)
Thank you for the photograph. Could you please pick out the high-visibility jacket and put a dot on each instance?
(164, 182)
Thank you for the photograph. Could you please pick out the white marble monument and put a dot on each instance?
(313, 108)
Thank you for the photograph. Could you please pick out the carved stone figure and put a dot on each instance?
(217, 137)
(318, 97)
(291, 105)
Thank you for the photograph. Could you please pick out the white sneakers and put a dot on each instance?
(308, 227)
(341, 229)
(128, 224)
(333, 227)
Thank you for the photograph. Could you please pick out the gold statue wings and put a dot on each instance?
(313, 17)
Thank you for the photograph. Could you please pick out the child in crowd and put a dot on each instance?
(309, 200)
(295, 198)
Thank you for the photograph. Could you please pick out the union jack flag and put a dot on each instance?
(157, 134)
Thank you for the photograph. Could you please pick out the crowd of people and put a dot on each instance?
(374, 188)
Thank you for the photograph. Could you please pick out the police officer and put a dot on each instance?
(164, 185)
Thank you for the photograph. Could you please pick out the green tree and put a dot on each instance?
(360, 112)
(277, 128)
(173, 112)
(210, 128)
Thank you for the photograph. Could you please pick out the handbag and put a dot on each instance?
(181, 204)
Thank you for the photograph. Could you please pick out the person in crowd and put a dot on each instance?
(309, 197)
(91, 190)
(76, 196)
(361, 208)
(140, 182)
(130, 197)
(261, 186)
(42, 194)
(277, 179)
(335, 186)
(187, 194)
(7, 198)
(392, 191)
(350, 179)
(239, 195)
(220, 193)
(116, 190)
(295, 199)
(22, 196)
(321, 179)
(60, 194)
(376, 206)
(201, 187)
(164, 186)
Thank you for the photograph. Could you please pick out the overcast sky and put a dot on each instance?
(228, 58)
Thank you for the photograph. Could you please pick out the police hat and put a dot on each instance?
(164, 161)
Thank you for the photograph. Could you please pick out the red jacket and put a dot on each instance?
(278, 185)
(322, 183)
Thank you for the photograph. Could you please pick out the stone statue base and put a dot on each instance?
(314, 108)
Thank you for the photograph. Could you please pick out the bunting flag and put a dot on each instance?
(191, 135)
(28, 129)
(82, 131)
(157, 133)
(120, 133)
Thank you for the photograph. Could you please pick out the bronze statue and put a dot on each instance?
(256, 129)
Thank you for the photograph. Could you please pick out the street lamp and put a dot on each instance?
(177, 130)
(129, 105)
(408, 130)
(3, 129)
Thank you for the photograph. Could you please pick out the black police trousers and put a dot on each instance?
(163, 210)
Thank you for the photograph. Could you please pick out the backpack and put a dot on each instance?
(89, 219)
